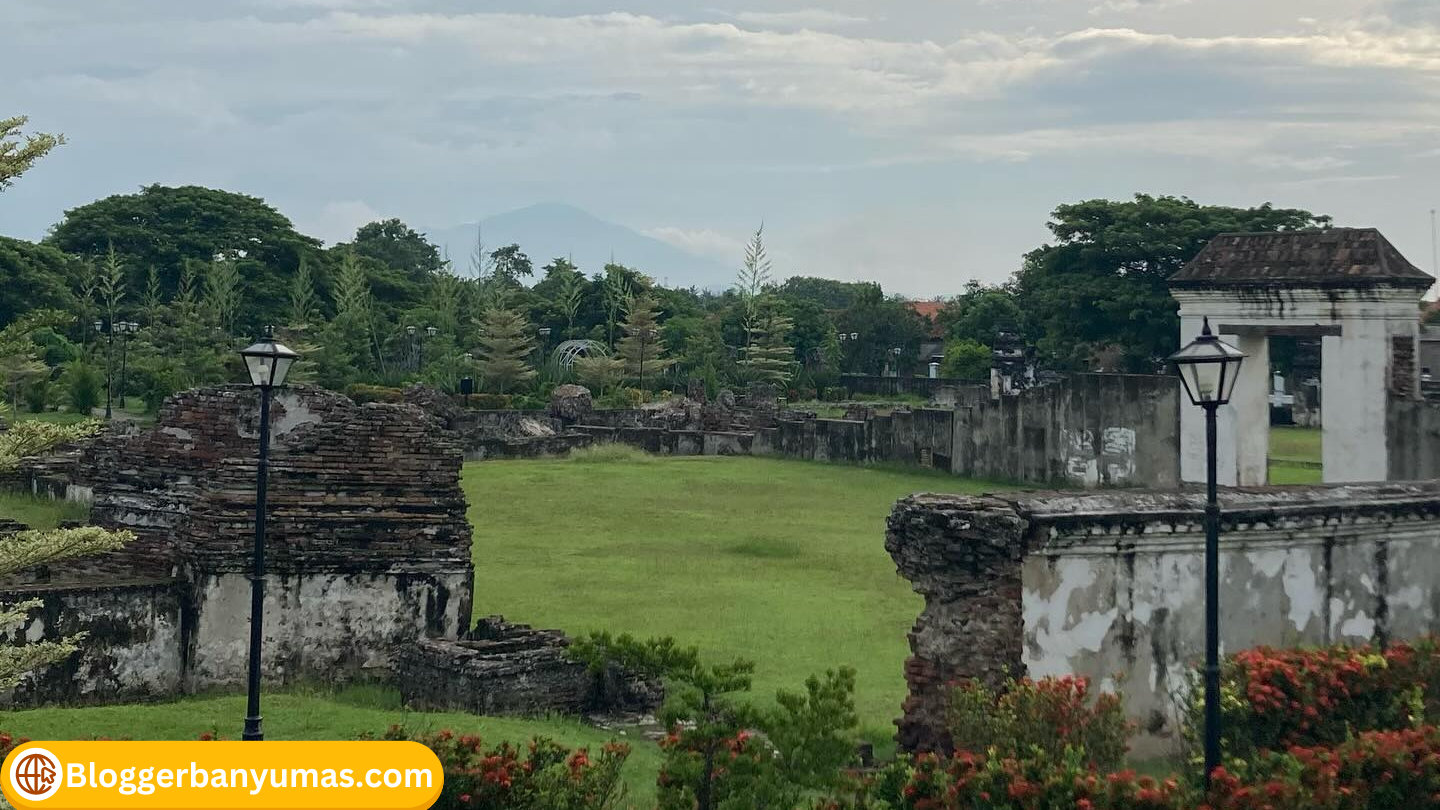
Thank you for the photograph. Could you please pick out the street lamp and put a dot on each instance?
(1208, 369)
(268, 362)
(127, 330)
(100, 329)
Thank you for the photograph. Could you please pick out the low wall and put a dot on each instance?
(872, 385)
(1111, 587)
(1087, 430)
(1414, 437)
(136, 645)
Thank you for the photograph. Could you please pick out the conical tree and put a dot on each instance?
(503, 356)
(599, 374)
(641, 349)
(770, 357)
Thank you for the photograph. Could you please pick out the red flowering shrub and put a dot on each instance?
(543, 776)
(1275, 699)
(1044, 718)
(1377, 770)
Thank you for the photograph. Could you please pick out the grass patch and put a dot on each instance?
(782, 562)
(609, 453)
(40, 513)
(1295, 444)
(317, 716)
(1282, 473)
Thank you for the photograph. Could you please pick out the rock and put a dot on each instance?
(571, 403)
(725, 399)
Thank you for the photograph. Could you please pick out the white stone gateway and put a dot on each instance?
(1348, 286)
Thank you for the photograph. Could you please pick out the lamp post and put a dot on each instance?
(430, 333)
(268, 362)
(1208, 369)
(102, 328)
(127, 330)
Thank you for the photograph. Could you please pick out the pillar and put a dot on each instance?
(1250, 410)
(1354, 387)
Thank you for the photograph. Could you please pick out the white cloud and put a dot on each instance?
(801, 18)
(701, 241)
(337, 221)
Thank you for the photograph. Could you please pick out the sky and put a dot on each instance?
(918, 143)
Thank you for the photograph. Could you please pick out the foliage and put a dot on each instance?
(17, 157)
(980, 312)
(490, 402)
(84, 386)
(1274, 699)
(966, 359)
(1102, 286)
(222, 294)
(641, 350)
(28, 549)
(769, 357)
(304, 306)
(32, 438)
(503, 355)
(37, 277)
(598, 373)
(1042, 718)
(542, 776)
(362, 393)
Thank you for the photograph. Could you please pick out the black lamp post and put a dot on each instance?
(1208, 369)
(268, 362)
(101, 328)
(127, 330)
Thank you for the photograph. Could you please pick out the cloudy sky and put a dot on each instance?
(916, 142)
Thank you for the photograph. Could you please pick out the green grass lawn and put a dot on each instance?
(781, 562)
(39, 513)
(1295, 455)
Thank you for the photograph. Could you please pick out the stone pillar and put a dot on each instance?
(1250, 411)
(964, 555)
(1354, 385)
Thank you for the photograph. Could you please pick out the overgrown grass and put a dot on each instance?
(782, 562)
(609, 453)
(39, 513)
(307, 715)
(1295, 455)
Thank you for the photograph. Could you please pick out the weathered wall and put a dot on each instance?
(135, 649)
(367, 544)
(1413, 434)
(1087, 430)
(1111, 585)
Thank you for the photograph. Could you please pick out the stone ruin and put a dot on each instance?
(368, 555)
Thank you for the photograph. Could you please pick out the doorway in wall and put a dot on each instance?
(1295, 411)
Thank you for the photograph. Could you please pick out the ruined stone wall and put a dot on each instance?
(367, 544)
(1087, 430)
(1110, 586)
(1414, 438)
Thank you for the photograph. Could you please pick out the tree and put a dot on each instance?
(1102, 285)
(752, 281)
(503, 356)
(882, 324)
(399, 247)
(770, 358)
(826, 292)
(966, 359)
(35, 277)
(304, 306)
(166, 226)
(509, 264)
(222, 295)
(618, 288)
(599, 373)
(979, 312)
(111, 286)
(17, 157)
(29, 549)
(642, 350)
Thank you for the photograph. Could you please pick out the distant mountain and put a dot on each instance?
(550, 229)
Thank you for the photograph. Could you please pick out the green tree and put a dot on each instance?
(18, 153)
(752, 282)
(826, 292)
(599, 373)
(400, 247)
(966, 359)
(642, 350)
(503, 356)
(111, 288)
(166, 226)
(979, 312)
(154, 296)
(770, 358)
(1101, 287)
(509, 264)
(223, 295)
(35, 277)
(304, 306)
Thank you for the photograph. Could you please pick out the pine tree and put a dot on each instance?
(752, 282)
(503, 356)
(303, 304)
(770, 357)
(222, 294)
(599, 373)
(154, 298)
(111, 286)
(641, 349)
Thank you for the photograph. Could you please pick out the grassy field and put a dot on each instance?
(39, 513)
(781, 562)
(1295, 455)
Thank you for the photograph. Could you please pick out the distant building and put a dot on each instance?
(932, 349)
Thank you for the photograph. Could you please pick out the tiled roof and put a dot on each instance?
(1338, 257)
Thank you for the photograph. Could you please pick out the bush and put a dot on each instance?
(83, 385)
(362, 393)
(1276, 699)
(833, 394)
(33, 438)
(490, 402)
(543, 776)
(610, 453)
(1044, 718)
